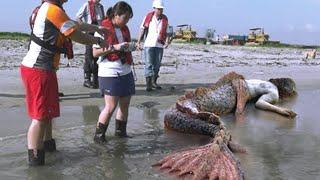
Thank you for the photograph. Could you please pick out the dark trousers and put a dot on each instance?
(90, 65)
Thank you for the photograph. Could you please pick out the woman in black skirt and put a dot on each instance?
(116, 80)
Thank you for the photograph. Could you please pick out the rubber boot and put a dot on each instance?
(149, 83)
(121, 128)
(87, 80)
(154, 82)
(99, 136)
(95, 82)
(49, 145)
(36, 157)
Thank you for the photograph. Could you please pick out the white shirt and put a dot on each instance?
(112, 68)
(155, 27)
(85, 16)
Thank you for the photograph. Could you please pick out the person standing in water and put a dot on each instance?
(154, 28)
(116, 80)
(38, 72)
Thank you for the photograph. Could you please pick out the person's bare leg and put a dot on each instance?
(36, 154)
(35, 134)
(104, 118)
(110, 106)
(48, 130)
(122, 117)
(49, 142)
(123, 111)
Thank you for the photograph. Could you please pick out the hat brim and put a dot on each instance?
(158, 7)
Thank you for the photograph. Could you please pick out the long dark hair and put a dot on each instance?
(119, 8)
(286, 86)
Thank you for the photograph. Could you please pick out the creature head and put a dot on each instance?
(286, 86)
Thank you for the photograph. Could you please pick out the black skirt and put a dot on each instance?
(117, 86)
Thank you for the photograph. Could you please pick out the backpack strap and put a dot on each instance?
(46, 45)
(33, 16)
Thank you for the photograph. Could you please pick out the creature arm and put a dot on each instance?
(262, 104)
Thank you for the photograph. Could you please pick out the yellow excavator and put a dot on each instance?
(185, 32)
(257, 35)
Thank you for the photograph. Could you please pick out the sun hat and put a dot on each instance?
(158, 4)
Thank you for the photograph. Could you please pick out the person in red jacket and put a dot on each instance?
(116, 80)
(38, 72)
(154, 28)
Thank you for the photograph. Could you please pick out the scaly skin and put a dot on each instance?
(198, 113)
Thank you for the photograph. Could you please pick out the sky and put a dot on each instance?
(288, 21)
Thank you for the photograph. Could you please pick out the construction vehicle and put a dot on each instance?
(257, 36)
(184, 32)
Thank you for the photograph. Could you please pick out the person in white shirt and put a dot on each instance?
(91, 12)
(116, 80)
(154, 28)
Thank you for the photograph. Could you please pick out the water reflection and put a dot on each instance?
(90, 114)
(152, 118)
(113, 158)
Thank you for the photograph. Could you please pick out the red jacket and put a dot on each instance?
(111, 38)
(163, 32)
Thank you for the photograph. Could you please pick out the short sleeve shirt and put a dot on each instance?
(52, 25)
(84, 13)
(153, 33)
(112, 68)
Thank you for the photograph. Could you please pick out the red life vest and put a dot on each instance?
(111, 38)
(67, 47)
(163, 32)
(92, 12)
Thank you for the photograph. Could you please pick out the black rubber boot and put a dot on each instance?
(149, 83)
(87, 80)
(121, 128)
(95, 81)
(154, 82)
(100, 134)
(49, 145)
(36, 157)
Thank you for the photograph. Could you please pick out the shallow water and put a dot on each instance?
(278, 148)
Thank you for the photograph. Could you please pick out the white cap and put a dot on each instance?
(158, 4)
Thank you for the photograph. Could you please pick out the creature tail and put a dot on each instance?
(182, 122)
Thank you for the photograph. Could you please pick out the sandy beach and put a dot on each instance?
(276, 145)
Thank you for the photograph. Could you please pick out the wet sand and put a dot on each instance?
(278, 148)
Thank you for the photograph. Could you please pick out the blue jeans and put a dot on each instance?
(152, 61)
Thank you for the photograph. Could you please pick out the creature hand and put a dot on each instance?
(289, 113)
